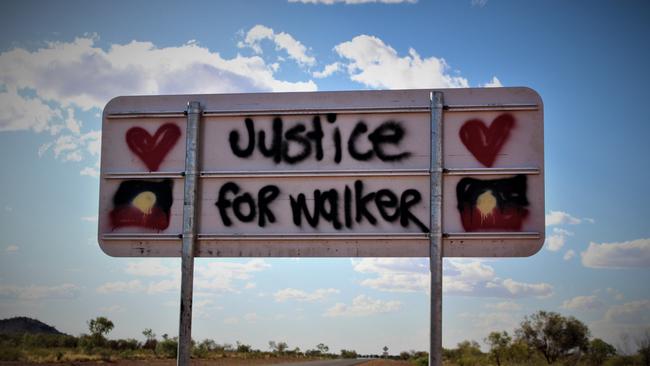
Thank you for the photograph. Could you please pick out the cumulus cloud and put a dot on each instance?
(40, 89)
(79, 73)
(214, 276)
(25, 113)
(624, 322)
(289, 294)
(460, 277)
(582, 303)
(362, 305)
(628, 254)
(494, 83)
(557, 239)
(327, 70)
(352, 2)
(371, 62)
(569, 254)
(35, 292)
(561, 218)
(283, 41)
(634, 312)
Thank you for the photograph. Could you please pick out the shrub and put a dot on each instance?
(167, 348)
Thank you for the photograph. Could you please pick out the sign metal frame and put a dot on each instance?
(440, 243)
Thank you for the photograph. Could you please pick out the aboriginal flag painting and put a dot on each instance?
(143, 204)
(492, 205)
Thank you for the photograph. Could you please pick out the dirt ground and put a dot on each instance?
(217, 362)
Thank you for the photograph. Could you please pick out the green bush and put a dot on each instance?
(167, 348)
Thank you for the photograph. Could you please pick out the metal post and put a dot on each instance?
(189, 232)
(435, 232)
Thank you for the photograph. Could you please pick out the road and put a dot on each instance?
(347, 362)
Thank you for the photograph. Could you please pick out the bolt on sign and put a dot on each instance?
(325, 174)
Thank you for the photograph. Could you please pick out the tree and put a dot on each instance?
(100, 326)
(348, 353)
(554, 335)
(151, 341)
(322, 348)
(278, 347)
(499, 343)
(599, 351)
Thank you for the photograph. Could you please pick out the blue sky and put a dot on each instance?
(60, 62)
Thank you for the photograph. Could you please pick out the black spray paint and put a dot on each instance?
(323, 207)
(277, 144)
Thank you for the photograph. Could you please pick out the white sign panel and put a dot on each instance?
(325, 174)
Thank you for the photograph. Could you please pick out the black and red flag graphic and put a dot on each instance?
(492, 205)
(142, 203)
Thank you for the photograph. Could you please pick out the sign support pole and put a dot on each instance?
(189, 232)
(435, 231)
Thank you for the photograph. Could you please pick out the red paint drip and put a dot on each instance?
(507, 219)
(126, 216)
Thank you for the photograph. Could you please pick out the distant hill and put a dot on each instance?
(22, 324)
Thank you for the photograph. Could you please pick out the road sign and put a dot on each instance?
(325, 174)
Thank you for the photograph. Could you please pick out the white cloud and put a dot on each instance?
(395, 274)
(22, 113)
(623, 322)
(629, 254)
(92, 218)
(494, 83)
(582, 303)
(352, 2)
(134, 286)
(289, 294)
(11, 248)
(561, 218)
(556, 241)
(250, 285)
(569, 254)
(214, 275)
(327, 71)
(283, 41)
(464, 277)
(375, 64)
(520, 289)
(479, 3)
(78, 73)
(634, 312)
(90, 171)
(363, 305)
(34, 292)
(227, 276)
(504, 306)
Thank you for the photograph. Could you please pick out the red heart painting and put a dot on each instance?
(153, 149)
(486, 142)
